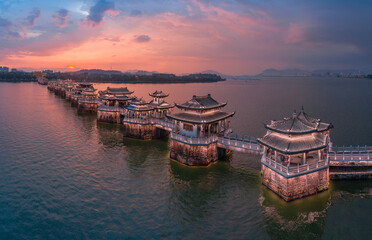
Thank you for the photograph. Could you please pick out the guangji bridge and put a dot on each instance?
(298, 158)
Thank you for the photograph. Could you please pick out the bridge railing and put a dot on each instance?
(88, 101)
(103, 107)
(240, 137)
(247, 143)
(288, 171)
(137, 121)
(163, 123)
(193, 141)
(350, 156)
(352, 149)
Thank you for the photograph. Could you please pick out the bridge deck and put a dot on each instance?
(243, 143)
(350, 156)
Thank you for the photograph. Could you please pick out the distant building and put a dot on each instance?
(14, 70)
(4, 69)
(47, 71)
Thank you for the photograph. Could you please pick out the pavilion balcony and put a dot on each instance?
(106, 108)
(88, 101)
(292, 170)
(142, 121)
(193, 141)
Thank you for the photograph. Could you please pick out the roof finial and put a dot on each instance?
(294, 113)
(302, 108)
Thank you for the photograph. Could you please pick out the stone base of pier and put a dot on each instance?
(74, 101)
(87, 107)
(109, 117)
(143, 131)
(68, 96)
(195, 155)
(295, 187)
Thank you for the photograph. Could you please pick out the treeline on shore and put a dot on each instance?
(131, 78)
(17, 77)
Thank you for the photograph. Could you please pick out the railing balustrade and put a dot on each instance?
(190, 140)
(350, 156)
(244, 142)
(293, 170)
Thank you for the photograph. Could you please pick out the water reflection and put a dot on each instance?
(288, 220)
(224, 196)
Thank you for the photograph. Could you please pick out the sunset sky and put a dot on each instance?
(180, 36)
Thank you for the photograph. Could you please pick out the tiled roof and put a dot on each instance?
(294, 144)
(201, 103)
(300, 123)
(158, 94)
(202, 118)
(161, 105)
(116, 91)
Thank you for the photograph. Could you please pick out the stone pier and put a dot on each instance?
(143, 131)
(195, 155)
(84, 107)
(109, 116)
(295, 187)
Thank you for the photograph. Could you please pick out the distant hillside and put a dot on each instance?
(284, 72)
(17, 77)
(110, 76)
(299, 72)
(91, 72)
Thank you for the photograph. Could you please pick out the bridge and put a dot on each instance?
(351, 156)
(242, 143)
(230, 141)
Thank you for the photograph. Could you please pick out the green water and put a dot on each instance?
(65, 176)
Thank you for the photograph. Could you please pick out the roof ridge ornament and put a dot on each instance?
(294, 113)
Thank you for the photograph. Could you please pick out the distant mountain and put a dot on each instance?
(271, 72)
(140, 72)
(284, 72)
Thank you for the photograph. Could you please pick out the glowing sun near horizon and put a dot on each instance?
(70, 66)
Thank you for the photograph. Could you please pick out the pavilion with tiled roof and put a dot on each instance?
(295, 162)
(161, 107)
(297, 134)
(201, 116)
(115, 96)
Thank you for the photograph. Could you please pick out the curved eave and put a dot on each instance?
(124, 93)
(199, 122)
(291, 152)
(297, 133)
(169, 107)
(113, 98)
(181, 106)
(159, 96)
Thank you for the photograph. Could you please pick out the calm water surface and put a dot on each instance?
(65, 176)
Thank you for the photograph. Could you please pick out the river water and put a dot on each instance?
(65, 176)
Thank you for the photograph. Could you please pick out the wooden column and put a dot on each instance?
(304, 158)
